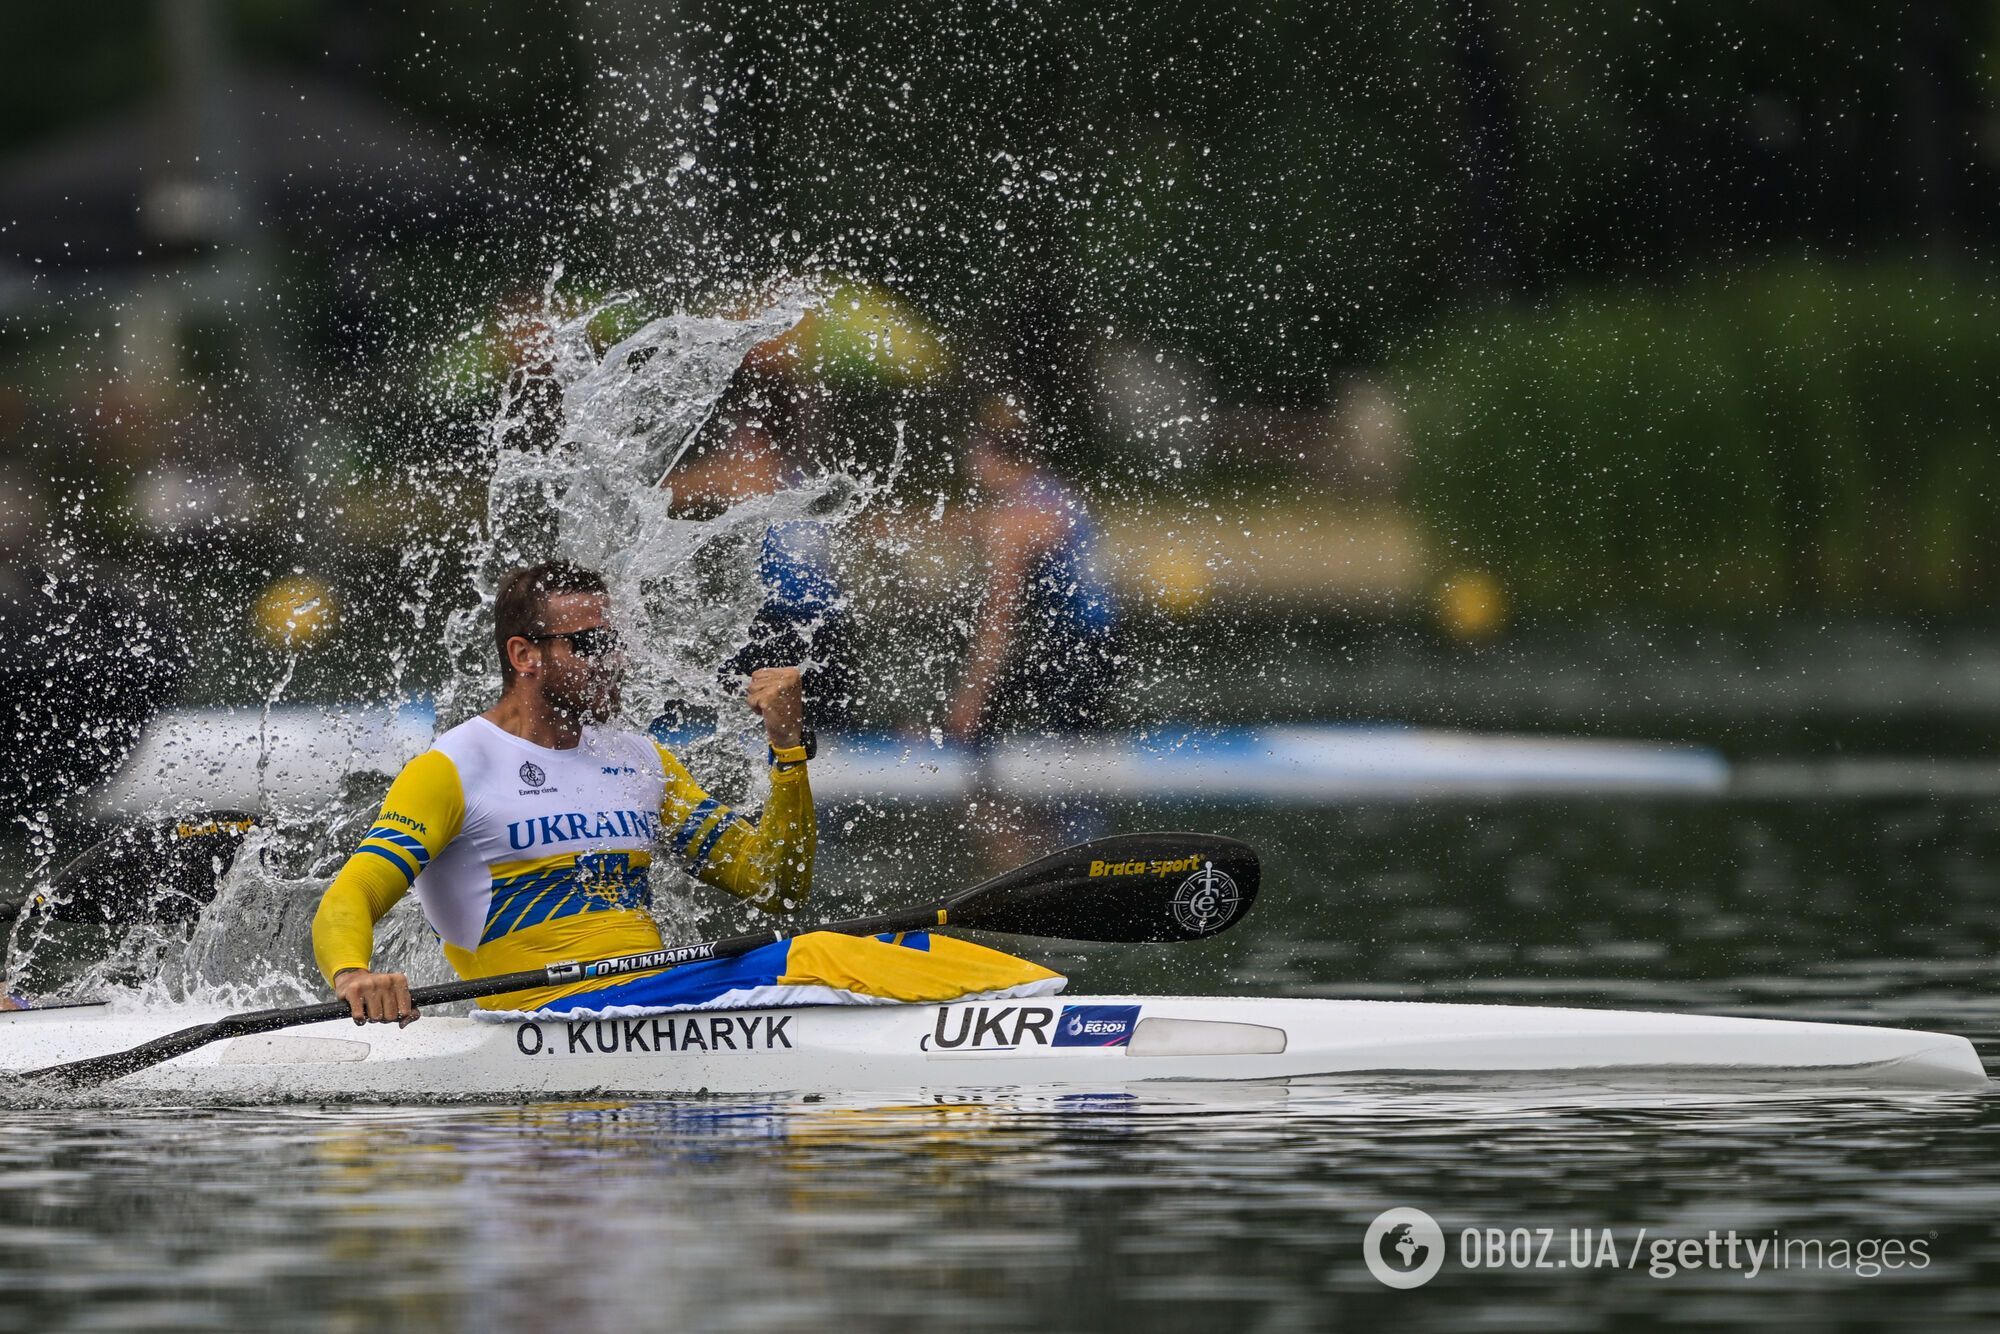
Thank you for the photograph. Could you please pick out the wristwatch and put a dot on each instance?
(807, 748)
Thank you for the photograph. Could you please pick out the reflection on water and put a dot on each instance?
(1186, 1207)
(1185, 1210)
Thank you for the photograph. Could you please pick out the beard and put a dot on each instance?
(595, 703)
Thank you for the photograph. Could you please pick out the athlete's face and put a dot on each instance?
(576, 674)
(991, 467)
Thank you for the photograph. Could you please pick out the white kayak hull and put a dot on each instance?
(1058, 1042)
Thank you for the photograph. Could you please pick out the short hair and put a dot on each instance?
(522, 609)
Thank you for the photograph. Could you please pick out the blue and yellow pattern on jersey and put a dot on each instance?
(505, 914)
(397, 848)
(694, 839)
(526, 894)
(572, 906)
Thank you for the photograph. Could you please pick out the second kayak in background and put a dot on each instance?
(248, 759)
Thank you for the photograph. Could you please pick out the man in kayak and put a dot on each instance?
(528, 833)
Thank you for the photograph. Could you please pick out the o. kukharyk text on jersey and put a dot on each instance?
(523, 856)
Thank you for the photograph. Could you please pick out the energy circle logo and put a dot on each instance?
(1404, 1248)
(531, 774)
(1205, 901)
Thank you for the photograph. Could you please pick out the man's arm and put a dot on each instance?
(423, 812)
(1014, 539)
(769, 863)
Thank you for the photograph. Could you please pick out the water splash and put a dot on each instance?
(271, 698)
(686, 591)
(581, 441)
(683, 588)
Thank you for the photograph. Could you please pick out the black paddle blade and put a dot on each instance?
(158, 873)
(1129, 887)
(94, 1070)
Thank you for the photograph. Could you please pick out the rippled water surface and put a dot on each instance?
(1172, 1208)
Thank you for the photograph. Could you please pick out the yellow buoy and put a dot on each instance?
(295, 611)
(1182, 579)
(1472, 605)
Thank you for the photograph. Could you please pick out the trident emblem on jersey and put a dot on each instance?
(611, 880)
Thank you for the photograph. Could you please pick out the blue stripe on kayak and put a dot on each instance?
(689, 984)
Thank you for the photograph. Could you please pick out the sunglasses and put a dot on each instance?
(592, 642)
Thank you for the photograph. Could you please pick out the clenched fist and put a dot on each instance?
(776, 696)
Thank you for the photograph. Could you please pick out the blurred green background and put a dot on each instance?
(1459, 317)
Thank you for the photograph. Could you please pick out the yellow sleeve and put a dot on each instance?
(769, 863)
(424, 811)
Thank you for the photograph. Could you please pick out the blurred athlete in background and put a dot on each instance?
(1042, 651)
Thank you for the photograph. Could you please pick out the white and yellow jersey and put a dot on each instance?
(524, 856)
